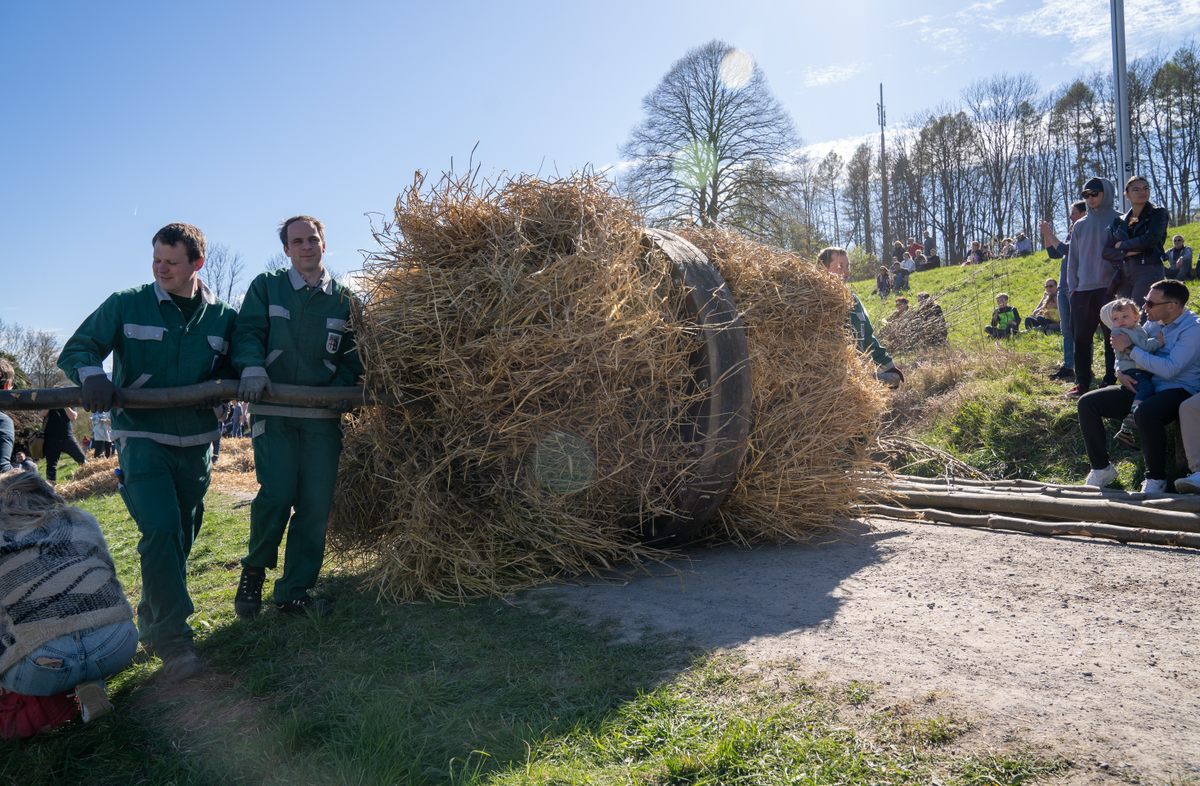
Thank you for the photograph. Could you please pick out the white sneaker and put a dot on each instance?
(1101, 477)
(1152, 486)
(1190, 484)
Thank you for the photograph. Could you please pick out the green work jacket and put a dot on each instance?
(864, 334)
(153, 347)
(297, 335)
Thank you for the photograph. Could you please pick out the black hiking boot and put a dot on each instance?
(248, 600)
(306, 606)
(1064, 373)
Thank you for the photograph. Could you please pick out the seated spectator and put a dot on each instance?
(914, 247)
(1045, 316)
(1006, 320)
(907, 329)
(908, 263)
(932, 320)
(883, 282)
(1023, 245)
(899, 278)
(934, 259)
(975, 255)
(901, 310)
(897, 251)
(65, 624)
(1176, 370)
(921, 262)
(1008, 249)
(1179, 260)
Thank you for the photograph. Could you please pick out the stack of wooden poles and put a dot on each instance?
(1040, 508)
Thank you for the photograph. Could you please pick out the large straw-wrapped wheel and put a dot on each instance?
(557, 369)
(576, 391)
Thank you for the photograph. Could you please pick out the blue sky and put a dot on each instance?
(121, 117)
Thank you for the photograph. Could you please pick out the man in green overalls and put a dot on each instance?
(294, 328)
(169, 333)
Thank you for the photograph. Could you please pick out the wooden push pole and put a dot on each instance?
(339, 398)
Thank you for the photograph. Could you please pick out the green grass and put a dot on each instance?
(485, 693)
(988, 402)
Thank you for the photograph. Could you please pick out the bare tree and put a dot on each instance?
(222, 271)
(858, 196)
(277, 261)
(715, 145)
(997, 106)
(39, 358)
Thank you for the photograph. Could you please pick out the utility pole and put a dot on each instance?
(1121, 99)
(884, 249)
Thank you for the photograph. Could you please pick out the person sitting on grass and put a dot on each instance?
(65, 625)
(1121, 317)
(1045, 316)
(1006, 320)
(883, 282)
(934, 330)
(1176, 370)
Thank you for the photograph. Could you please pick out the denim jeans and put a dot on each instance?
(60, 664)
(1064, 322)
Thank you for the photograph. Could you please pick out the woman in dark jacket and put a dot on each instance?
(1138, 238)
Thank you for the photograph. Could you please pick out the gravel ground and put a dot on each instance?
(1087, 648)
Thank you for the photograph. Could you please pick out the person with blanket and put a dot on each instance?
(65, 625)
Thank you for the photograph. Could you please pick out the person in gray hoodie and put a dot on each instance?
(1089, 276)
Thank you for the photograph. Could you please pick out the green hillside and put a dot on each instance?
(968, 294)
(990, 403)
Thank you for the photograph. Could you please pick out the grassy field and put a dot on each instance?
(486, 693)
(989, 403)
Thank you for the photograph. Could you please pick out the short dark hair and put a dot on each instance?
(1172, 290)
(191, 237)
(283, 228)
(7, 372)
(1079, 206)
(827, 254)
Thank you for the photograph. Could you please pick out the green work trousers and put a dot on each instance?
(163, 488)
(295, 460)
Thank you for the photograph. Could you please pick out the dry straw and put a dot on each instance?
(816, 408)
(544, 369)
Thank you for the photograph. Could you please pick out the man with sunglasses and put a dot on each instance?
(1089, 276)
(1176, 370)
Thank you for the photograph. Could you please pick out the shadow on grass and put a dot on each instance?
(374, 693)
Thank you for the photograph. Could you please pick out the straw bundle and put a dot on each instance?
(93, 478)
(545, 371)
(816, 410)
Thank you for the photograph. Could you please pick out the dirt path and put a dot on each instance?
(1088, 647)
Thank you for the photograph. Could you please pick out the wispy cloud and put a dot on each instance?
(1085, 25)
(831, 75)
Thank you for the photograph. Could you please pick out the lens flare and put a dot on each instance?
(564, 463)
(695, 165)
(737, 67)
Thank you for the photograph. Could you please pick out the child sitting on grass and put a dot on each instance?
(1045, 316)
(1006, 321)
(1121, 316)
